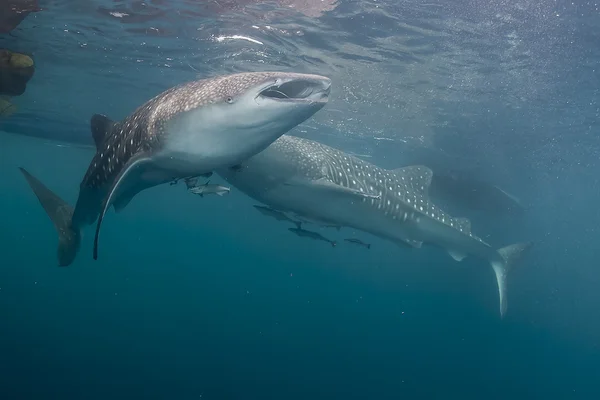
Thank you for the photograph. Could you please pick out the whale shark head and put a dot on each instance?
(224, 120)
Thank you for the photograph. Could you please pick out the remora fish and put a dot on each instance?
(315, 221)
(186, 131)
(278, 215)
(358, 242)
(208, 188)
(318, 181)
(312, 235)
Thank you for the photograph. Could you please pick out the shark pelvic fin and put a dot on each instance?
(116, 191)
(416, 177)
(458, 256)
(509, 256)
(61, 214)
(101, 126)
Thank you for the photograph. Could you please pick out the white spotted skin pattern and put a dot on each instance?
(125, 140)
(144, 129)
(396, 205)
(403, 193)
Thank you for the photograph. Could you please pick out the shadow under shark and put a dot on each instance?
(322, 183)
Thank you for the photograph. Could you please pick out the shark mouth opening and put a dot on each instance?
(297, 90)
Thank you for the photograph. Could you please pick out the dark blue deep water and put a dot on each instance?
(205, 298)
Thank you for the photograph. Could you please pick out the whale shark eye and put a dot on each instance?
(229, 99)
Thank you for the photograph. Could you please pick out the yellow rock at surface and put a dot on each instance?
(18, 60)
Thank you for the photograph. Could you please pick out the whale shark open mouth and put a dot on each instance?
(298, 90)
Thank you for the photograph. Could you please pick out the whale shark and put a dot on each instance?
(460, 191)
(325, 184)
(188, 130)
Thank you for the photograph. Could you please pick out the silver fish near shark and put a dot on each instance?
(312, 235)
(317, 181)
(358, 242)
(277, 215)
(186, 131)
(294, 218)
(208, 188)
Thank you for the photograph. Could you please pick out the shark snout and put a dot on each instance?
(323, 89)
(326, 84)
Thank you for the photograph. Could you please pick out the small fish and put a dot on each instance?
(207, 188)
(191, 181)
(278, 215)
(358, 242)
(312, 235)
(310, 220)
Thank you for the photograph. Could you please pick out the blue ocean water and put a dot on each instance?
(205, 298)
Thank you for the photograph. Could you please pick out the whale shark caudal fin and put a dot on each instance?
(61, 214)
(509, 256)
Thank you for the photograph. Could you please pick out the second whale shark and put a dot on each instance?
(325, 184)
(186, 131)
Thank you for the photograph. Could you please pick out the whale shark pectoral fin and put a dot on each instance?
(326, 184)
(123, 200)
(416, 177)
(101, 125)
(124, 196)
(129, 171)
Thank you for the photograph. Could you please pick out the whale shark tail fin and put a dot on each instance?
(61, 214)
(509, 257)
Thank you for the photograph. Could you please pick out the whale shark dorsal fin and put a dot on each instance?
(417, 177)
(462, 224)
(457, 255)
(101, 126)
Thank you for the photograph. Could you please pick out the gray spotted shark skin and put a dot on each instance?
(186, 131)
(322, 183)
(394, 197)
